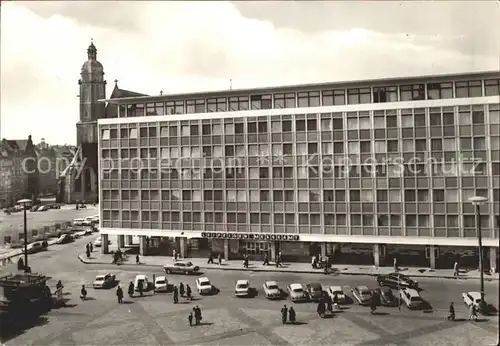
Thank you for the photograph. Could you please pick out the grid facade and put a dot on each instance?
(387, 172)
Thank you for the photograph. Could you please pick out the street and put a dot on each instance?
(154, 319)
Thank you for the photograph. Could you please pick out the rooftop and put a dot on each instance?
(303, 87)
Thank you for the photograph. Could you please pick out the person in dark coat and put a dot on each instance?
(88, 253)
(131, 289)
(190, 319)
(219, 259)
(292, 315)
(329, 306)
(91, 247)
(188, 292)
(119, 295)
(20, 264)
(373, 304)
(321, 308)
(197, 314)
(451, 317)
(140, 288)
(181, 289)
(83, 293)
(284, 313)
(59, 285)
(266, 260)
(136, 259)
(210, 259)
(176, 295)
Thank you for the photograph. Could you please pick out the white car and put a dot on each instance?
(203, 285)
(98, 242)
(143, 280)
(242, 288)
(297, 293)
(161, 284)
(272, 290)
(78, 222)
(103, 281)
(472, 298)
(411, 298)
(337, 291)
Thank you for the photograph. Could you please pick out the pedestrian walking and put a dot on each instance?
(188, 293)
(266, 260)
(210, 259)
(190, 319)
(472, 313)
(219, 259)
(176, 295)
(87, 247)
(119, 295)
(59, 285)
(197, 314)
(181, 289)
(174, 255)
(91, 247)
(284, 313)
(131, 289)
(88, 252)
(83, 293)
(451, 316)
(329, 302)
(140, 288)
(292, 315)
(395, 264)
(136, 259)
(455, 269)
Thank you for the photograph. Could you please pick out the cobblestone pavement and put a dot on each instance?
(227, 320)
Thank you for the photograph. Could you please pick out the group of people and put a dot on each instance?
(211, 259)
(327, 305)
(197, 316)
(472, 312)
(184, 292)
(278, 261)
(288, 313)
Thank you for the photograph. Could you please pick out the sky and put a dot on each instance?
(178, 47)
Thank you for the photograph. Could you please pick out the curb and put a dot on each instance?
(265, 270)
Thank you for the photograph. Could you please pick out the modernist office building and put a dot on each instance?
(364, 170)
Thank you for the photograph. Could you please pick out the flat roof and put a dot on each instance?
(305, 87)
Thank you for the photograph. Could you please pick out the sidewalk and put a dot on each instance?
(7, 253)
(237, 265)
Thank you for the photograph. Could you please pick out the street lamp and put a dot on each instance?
(478, 201)
(23, 202)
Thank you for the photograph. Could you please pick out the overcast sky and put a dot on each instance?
(184, 46)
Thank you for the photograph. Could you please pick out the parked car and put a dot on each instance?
(242, 288)
(386, 297)
(296, 292)
(98, 242)
(337, 291)
(35, 247)
(471, 298)
(271, 290)
(396, 280)
(78, 222)
(64, 239)
(314, 291)
(145, 283)
(104, 281)
(181, 267)
(161, 284)
(84, 233)
(203, 285)
(362, 294)
(43, 208)
(411, 298)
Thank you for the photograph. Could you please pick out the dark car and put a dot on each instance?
(314, 291)
(396, 280)
(386, 297)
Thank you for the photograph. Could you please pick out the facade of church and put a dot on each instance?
(79, 181)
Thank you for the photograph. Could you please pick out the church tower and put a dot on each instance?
(92, 89)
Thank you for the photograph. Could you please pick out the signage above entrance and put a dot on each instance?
(269, 237)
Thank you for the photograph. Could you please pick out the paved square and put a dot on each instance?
(465, 334)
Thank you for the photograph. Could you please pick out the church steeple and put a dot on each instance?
(92, 51)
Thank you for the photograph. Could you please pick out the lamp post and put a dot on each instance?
(23, 202)
(477, 201)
